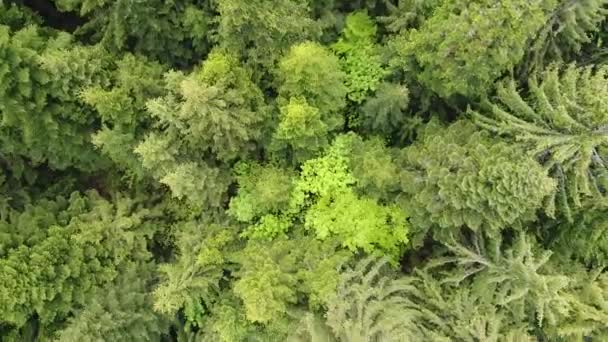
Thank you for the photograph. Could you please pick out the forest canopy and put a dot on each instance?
(303, 170)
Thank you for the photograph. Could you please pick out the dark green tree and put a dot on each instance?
(174, 32)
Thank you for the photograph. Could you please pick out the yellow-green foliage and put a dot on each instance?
(303, 170)
(311, 72)
(360, 57)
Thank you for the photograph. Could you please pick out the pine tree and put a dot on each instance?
(562, 124)
(463, 48)
(216, 114)
(568, 28)
(69, 251)
(458, 176)
(192, 282)
(261, 31)
(122, 109)
(405, 14)
(384, 113)
(42, 117)
(119, 311)
(175, 32)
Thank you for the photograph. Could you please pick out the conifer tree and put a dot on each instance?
(458, 176)
(261, 31)
(122, 109)
(73, 248)
(384, 113)
(174, 32)
(562, 123)
(43, 119)
(216, 114)
(463, 49)
(568, 28)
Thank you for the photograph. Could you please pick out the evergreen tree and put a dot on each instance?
(213, 115)
(122, 108)
(463, 48)
(175, 32)
(561, 123)
(460, 177)
(43, 119)
(261, 31)
(74, 247)
(567, 29)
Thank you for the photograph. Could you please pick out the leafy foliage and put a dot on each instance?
(301, 130)
(360, 57)
(326, 188)
(272, 276)
(310, 71)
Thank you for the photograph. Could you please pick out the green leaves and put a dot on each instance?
(301, 130)
(310, 71)
(301, 170)
(327, 184)
(360, 56)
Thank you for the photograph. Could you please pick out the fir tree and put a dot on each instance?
(562, 124)
(460, 177)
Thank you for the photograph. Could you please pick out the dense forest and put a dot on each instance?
(304, 170)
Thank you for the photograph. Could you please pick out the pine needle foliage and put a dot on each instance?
(460, 177)
(42, 117)
(569, 27)
(465, 46)
(562, 123)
